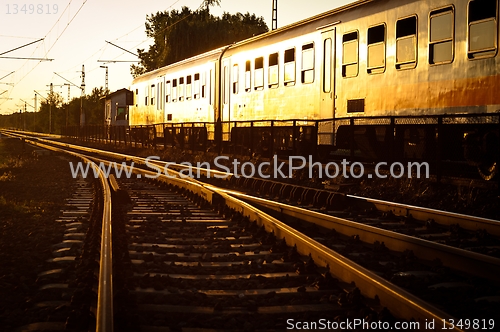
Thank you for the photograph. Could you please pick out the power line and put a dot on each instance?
(20, 58)
(36, 41)
(7, 75)
(121, 48)
(57, 39)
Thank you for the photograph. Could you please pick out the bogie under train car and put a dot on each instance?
(390, 78)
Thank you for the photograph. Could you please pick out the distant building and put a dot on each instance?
(116, 107)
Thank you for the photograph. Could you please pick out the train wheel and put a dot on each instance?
(488, 170)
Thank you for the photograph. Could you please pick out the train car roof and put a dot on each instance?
(218, 51)
(305, 21)
(213, 54)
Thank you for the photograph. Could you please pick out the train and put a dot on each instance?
(385, 79)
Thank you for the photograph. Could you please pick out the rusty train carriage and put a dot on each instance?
(392, 78)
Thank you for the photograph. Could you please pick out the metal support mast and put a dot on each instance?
(106, 80)
(50, 107)
(275, 15)
(82, 114)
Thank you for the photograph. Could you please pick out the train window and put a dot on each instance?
(327, 65)
(350, 54)
(159, 104)
(307, 72)
(273, 71)
(441, 36)
(209, 83)
(146, 96)
(406, 43)
(236, 77)
(152, 94)
(376, 49)
(482, 29)
(290, 67)
(203, 85)
(189, 87)
(259, 74)
(174, 90)
(168, 98)
(226, 86)
(181, 89)
(248, 77)
(169, 117)
(196, 86)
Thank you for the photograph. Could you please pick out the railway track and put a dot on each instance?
(183, 263)
(193, 267)
(65, 299)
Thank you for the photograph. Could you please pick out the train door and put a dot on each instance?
(225, 95)
(166, 93)
(327, 89)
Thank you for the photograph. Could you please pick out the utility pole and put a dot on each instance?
(82, 87)
(274, 25)
(50, 108)
(82, 114)
(36, 93)
(67, 104)
(34, 115)
(69, 91)
(106, 79)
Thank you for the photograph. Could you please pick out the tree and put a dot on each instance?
(181, 34)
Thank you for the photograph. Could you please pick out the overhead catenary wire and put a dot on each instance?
(54, 43)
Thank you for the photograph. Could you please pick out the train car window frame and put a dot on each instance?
(486, 51)
(236, 77)
(354, 63)
(403, 36)
(248, 76)
(146, 95)
(289, 67)
(258, 74)
(180, 89)
(189, 87)
(159, 93)
(153, 95)
(307, 65)
(209, 87)
(204, 85)
(273, 70)
(174, 90)
(168, 97)
(226, 85)
(380, 68)
(196, 86)
(327, 65)
(439, 42)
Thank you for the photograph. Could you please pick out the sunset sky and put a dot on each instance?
(75, 33)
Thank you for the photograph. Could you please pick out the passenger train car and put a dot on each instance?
(391, 78)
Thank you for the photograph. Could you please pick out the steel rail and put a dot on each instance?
(400, 302)
(104, 314)
(422, 214)
(455, 258)
(419, 213)
(445, 218)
